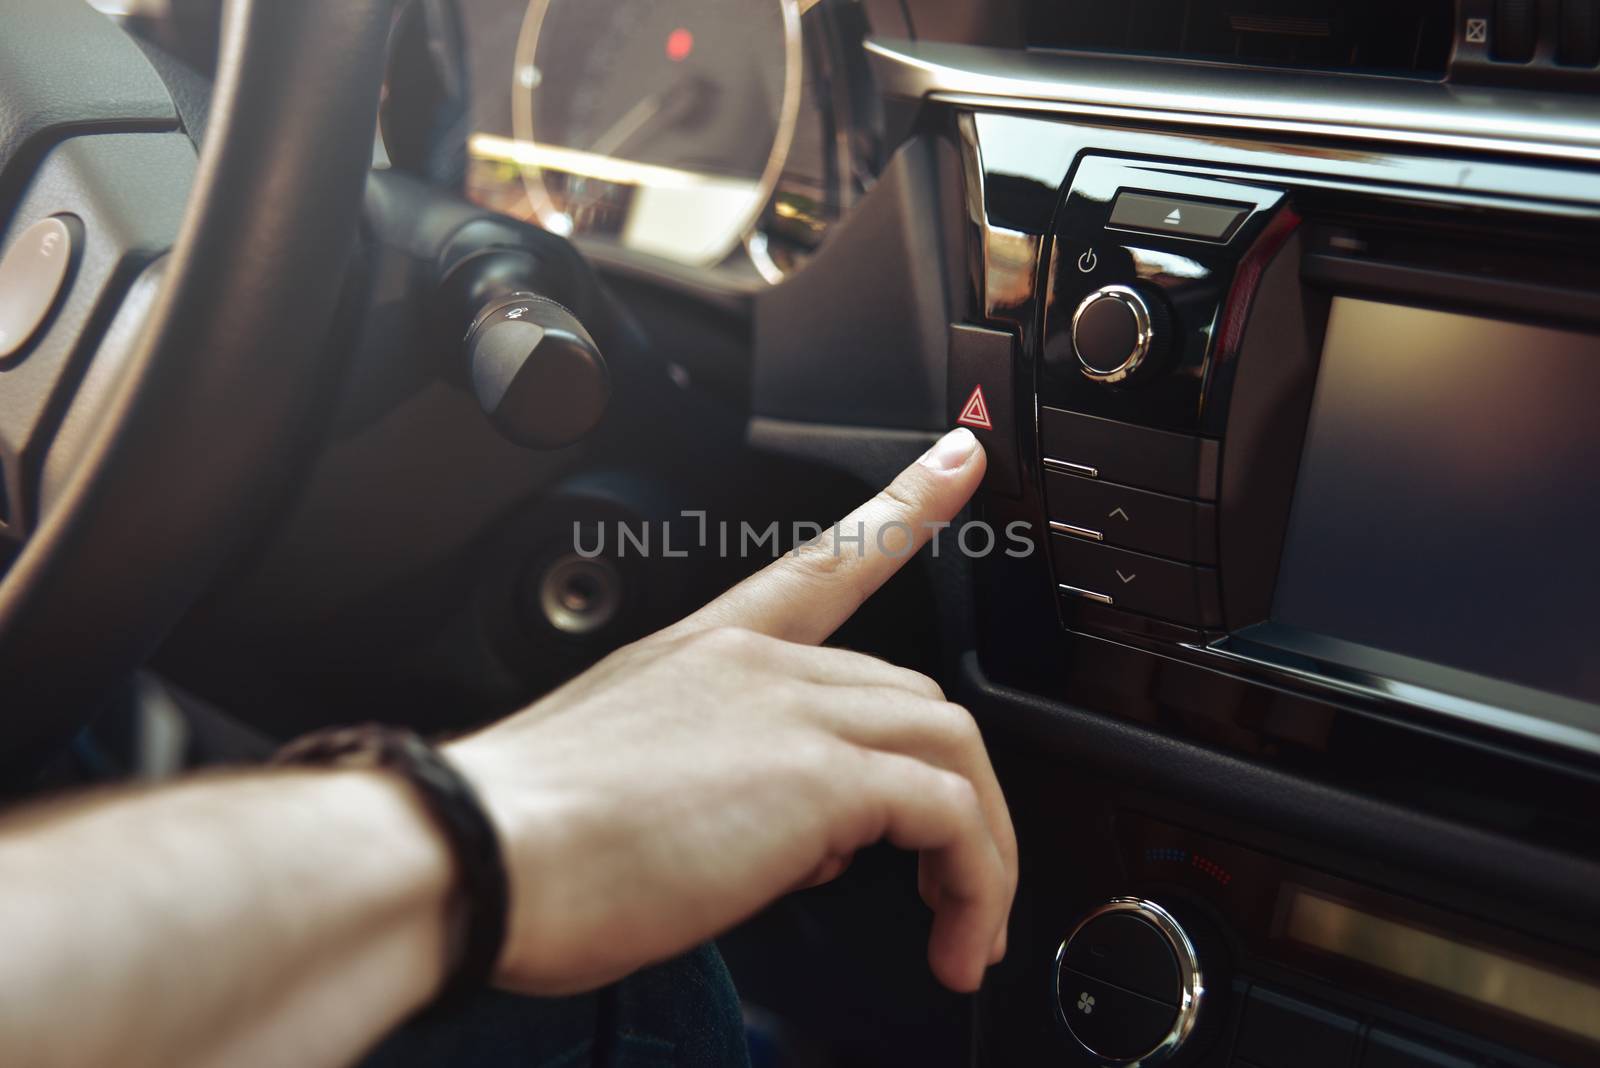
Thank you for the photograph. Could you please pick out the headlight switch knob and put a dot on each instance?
(536, 372)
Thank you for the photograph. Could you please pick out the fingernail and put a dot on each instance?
(952, 451)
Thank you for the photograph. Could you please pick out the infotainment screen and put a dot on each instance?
(1448, 504)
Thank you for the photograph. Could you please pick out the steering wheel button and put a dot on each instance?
(33, 273)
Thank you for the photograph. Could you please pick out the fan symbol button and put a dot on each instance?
(1086, 1003)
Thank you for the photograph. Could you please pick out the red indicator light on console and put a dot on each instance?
(680, 43)
(1212, 868)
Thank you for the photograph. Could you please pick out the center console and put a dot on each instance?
(1338, 435)
(1295, 391)
(1219, 944)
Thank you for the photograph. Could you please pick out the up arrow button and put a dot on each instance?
(1171, 527)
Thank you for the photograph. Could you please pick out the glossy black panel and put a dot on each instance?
(1096, 713)
(1343, 730)
(1191, 275)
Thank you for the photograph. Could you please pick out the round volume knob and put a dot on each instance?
(1128, 984)
(1118, 331)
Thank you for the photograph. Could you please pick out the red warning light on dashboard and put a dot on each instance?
(976, 411)
(680, 43)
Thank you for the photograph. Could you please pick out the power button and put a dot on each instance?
(33, 272)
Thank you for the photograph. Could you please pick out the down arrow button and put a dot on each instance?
(1135, 582)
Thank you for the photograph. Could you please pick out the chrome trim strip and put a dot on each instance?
(1372, 687)
(1426, 114)
(1088, 595)
(1077, 532)
(1007, 260)
(1071, 469)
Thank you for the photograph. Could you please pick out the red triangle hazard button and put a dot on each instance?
(976, 411)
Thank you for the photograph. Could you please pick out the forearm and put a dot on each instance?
(279, 918)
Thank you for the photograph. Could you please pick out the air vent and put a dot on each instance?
(1408, 38)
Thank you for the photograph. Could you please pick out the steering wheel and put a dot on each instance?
(154, 418)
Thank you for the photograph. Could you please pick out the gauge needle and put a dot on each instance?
(623, 129)
(683, 99)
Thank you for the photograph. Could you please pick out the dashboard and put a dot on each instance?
(1270, 358)
(1280, 323)
(1281, 329)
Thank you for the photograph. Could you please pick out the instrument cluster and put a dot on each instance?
(721, 135)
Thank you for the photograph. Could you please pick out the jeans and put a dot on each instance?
(676, 1015)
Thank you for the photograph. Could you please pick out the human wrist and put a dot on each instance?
(418, 873)
(356, 917)
(476, 908)
(536, 849)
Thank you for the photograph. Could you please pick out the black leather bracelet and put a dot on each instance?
(478, 925)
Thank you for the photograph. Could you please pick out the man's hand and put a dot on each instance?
(693, 777)
(291, 917)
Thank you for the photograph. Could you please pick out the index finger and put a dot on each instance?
(810, 592)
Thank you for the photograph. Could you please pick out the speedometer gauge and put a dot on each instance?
(659, 125)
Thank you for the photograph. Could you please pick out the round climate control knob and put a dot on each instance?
(1128, 984)
(1119, 331)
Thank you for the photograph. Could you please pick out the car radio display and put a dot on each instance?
(1448, 503)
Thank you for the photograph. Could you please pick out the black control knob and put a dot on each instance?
(1119, 332)
(536, 372)
(1128, 984)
